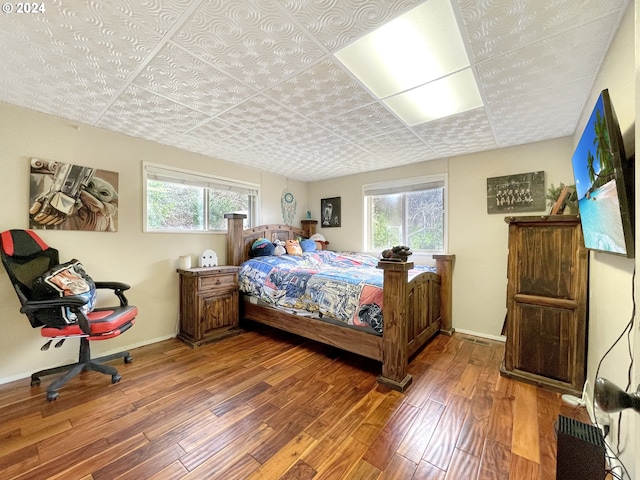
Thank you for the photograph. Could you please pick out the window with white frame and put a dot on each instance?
(178, 200)
(408, 212)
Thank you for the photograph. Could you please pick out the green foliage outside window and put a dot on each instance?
(173, 206)
(415, 219)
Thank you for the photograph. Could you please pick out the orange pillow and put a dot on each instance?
(293, 247)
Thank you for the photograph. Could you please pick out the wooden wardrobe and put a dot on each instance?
(547, 293)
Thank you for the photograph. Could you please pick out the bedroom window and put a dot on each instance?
(407, 212)
(177, 200)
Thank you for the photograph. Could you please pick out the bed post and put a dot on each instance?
(444, 268)
(395, 357)
(235, 247)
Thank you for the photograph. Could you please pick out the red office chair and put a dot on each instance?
(59, 299)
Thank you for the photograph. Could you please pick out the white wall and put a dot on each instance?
(147, 261)
(479, 239)
(611, 277)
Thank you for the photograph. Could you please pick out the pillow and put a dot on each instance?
(279, 247)
(60, 281)
(308, 245)
(321, 242)
(293, 247)
(262, 248)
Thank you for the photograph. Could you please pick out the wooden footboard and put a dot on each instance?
(413, 311)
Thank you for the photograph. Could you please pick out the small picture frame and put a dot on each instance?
(330, 212)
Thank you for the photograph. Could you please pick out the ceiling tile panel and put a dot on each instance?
(546, 114)
(251, 40)
(458, 135)
(183, 78)
(399, 148)
(262, 116)
(143, 114)
(494, 27)
(221, 133)
(73, 90)
(369, 121)
(271, 157)
(158, 15)
(203, 146)
(87, 33)
(547, 63)
(322, 91)
(335, 23)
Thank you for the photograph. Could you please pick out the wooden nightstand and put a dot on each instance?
(209, 304)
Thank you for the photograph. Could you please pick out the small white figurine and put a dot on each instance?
(209, 258)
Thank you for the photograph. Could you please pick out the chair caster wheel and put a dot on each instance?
(128, 359)
(51, 396)
(115, 378)
(35, 382)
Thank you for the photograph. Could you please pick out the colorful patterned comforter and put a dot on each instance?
(345, 288)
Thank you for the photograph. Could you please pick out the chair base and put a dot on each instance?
(84, 363)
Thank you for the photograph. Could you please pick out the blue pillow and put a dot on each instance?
(308, 245)
(262, 248)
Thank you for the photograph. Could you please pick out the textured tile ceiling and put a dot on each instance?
(256, 81)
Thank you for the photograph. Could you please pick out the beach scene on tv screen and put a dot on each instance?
(598, 201)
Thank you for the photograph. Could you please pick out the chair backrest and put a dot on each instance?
(25, 257)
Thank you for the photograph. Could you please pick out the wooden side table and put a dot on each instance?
(209, 304)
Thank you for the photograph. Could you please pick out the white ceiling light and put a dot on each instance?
(423, 45)
(447, 96)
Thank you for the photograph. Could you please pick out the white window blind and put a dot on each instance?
(185, 177)
(391, 188)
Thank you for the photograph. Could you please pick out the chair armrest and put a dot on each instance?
(118, 289)
(112, 285)
(69, 301)
(74, 302)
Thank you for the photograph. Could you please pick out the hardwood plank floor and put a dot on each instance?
(268, 405)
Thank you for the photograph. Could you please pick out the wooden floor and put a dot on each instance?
(265, 405)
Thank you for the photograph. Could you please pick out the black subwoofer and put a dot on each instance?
(581, 451)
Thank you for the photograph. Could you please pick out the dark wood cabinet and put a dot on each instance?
(546, 326)
(209, 308)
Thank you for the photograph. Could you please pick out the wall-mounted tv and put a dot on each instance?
(605, 183)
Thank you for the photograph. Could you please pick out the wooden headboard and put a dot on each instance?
(239, 241)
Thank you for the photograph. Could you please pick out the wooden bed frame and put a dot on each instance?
(413, 311)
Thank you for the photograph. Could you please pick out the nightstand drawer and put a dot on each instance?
(219, 280)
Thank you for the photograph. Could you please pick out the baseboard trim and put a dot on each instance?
(497, 338)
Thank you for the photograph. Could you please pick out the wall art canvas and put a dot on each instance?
(64, 196)
(330, 211)
(523, 192)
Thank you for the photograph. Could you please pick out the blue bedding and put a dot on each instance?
(343, 288)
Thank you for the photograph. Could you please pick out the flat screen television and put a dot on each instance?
(605, 183)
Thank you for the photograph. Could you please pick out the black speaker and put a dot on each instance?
(581, 451)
